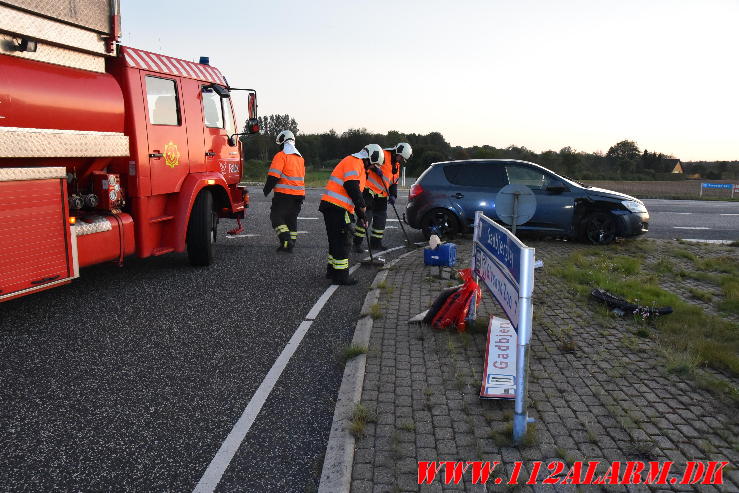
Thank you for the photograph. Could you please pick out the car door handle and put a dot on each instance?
(210, 154)
(156, 155)
(458, 195)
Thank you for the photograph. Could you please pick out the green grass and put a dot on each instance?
(255, 170)
(730, 289)
(701, 295)
(689, 329)
(352, 352)
(375, 311)
(360, 417)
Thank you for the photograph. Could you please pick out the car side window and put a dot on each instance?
(523, 175)
(476, 175)
(161, 98)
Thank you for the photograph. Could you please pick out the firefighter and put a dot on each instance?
(382, 187)
(286, 176)
(341, 199)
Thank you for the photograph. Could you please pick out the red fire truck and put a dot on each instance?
(106, 150)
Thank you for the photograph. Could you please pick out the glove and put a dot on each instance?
(361, 217)
(266, 190)
(391, 199)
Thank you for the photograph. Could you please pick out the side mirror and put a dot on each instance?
(232, 140)
(252, 126)
(220, 90)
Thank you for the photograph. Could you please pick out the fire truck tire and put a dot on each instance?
(201, 230)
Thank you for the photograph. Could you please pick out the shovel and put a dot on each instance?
(372, 261)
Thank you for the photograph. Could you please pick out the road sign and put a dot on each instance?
(724, 186)
(515, 205)
(506, 267)
(499, 374)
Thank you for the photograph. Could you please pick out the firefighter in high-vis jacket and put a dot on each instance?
(341, 199)
(286, 176)
(382, 187)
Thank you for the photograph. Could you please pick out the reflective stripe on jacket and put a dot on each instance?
(349, 168)
(290, 171)
(375, 183)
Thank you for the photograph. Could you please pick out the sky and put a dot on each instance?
(536, 73)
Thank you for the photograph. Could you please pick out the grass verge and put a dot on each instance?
(711, 340)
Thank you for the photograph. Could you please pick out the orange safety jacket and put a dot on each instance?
(290, 171)
(375, 183)
(349, 168)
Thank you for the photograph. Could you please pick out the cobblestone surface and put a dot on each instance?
(597, 392)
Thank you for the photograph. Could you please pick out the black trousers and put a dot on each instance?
(337, 221)
(376, 218)
(284, 215)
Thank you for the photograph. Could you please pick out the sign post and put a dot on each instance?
(506, 267)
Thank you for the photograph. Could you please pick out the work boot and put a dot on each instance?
(329, 271)
(341, 277)
(290, 246)
(376, 244)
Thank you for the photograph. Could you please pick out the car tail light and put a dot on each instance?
(415, 191)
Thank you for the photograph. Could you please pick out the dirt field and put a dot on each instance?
(688, 189)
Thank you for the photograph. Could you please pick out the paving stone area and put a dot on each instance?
(597, 392)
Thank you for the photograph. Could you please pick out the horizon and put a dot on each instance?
(581, 74)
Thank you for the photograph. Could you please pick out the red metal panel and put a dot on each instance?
(42, 95)
(102, 247)
(34, 234)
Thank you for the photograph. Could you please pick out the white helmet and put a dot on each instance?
(285, 135)
(376, 156)
(403, 150)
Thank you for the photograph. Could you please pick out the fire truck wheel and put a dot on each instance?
(201, 230)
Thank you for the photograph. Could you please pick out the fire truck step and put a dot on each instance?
(161, 251)
(160, 219)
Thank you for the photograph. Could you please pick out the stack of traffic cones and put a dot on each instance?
(458, 305)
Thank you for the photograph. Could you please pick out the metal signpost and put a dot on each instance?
(506, 266)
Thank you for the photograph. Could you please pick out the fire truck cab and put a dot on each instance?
(106, 150)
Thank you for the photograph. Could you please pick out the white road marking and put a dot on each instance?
(690, 227)
(302, 232)
(681, 213)
(249, 235)
(213, 474)
(720, 242)
(383, 251)
(728, 214)
(391, 227)
(392, 220)
(308, 218)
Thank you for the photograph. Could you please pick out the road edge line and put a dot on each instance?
(338, 461)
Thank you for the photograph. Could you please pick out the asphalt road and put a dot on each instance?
(693, 219)
(130, 379)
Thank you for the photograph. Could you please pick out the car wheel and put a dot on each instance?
(599, 228)
(201, 230)
(441, 222)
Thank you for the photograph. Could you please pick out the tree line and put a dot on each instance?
(623, 161)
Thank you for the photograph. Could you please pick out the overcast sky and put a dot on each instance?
(536, 73)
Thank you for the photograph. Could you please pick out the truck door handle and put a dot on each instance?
(458, 195)
(210, 153)
(45, 279)
(156, 155)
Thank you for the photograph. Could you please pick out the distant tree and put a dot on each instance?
(624, 157)
(269, 127)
